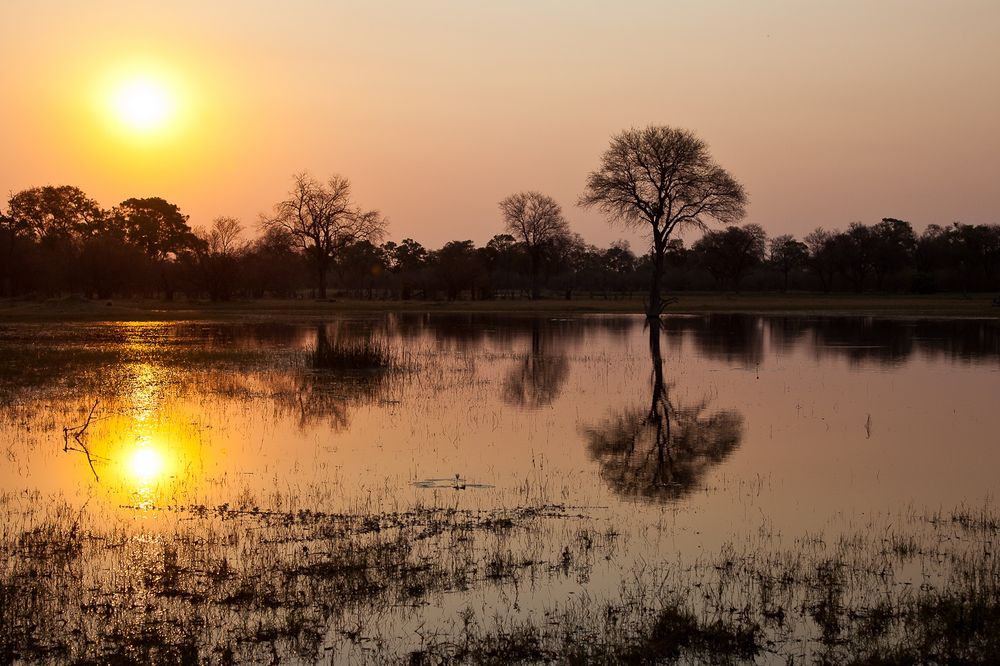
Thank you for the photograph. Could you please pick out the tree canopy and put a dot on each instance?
(662, 178)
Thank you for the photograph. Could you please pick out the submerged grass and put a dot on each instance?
(854, 601)
(242, 583)
(235, 584)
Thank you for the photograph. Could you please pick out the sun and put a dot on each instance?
(143, 105)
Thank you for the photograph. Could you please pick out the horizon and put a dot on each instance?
(843, 112)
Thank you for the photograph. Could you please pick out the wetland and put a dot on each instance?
(495, 488)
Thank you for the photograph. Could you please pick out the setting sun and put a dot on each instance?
(143, 104)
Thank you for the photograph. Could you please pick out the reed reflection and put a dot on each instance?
(662, 453)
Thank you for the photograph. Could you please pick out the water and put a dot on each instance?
(719, 430)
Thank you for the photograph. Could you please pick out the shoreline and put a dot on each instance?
(938, 306)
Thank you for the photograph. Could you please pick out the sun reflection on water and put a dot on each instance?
(146, 464)
(146, 470)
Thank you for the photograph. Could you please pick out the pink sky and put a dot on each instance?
(828, 112)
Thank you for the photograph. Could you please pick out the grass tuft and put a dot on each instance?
(358, 354)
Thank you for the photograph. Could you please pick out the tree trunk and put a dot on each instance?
(655, 303)
(535, 291)
(321, 280)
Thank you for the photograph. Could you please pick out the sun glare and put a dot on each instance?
(143, 105)
(146, 464)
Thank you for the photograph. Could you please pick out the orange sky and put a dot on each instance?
(828, 112)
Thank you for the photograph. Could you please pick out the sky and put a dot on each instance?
(827, 112)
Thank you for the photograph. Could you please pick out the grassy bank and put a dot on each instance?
(75, 309)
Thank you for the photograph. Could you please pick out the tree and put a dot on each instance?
(219, 253)
(8, 243)
(408, 256)
(619, 258)
(50, 213)
(976, 253)
(893, 244)
(458, 267)
(360, 264)
(323, 219)
(787, 254)
(538, 221)
(405, 261)
(729, 253)
(822, 256)
(564, 258)
(501, 258)
(108, 265)
(662, 178)
(273, 265)
(853, 252)
(155, 226)
(43, 233)
(160, 230)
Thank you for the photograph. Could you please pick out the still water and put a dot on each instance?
(713, 431)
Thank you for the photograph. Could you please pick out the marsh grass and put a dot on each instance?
(236, 583)
(851, 599)
(244, 583)
(367, 353)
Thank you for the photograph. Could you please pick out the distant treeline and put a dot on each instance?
(56, 240)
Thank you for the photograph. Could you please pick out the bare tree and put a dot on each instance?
(664, 178)
(538, 221)
(323, 219)
(219, 253)
(223, 237)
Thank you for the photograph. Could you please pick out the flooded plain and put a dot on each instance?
(489, 489)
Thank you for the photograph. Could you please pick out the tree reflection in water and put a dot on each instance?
(662, 453)
(538, 378)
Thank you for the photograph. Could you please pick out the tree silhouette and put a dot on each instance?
(322, 218)
(662, 178)
(894, 243)
(787, 254)
(458, 267)
(160, 230)
(730, 253)
(219, 252)
(47, 214)
(822, 257)
(537, 220)
(155, 225)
